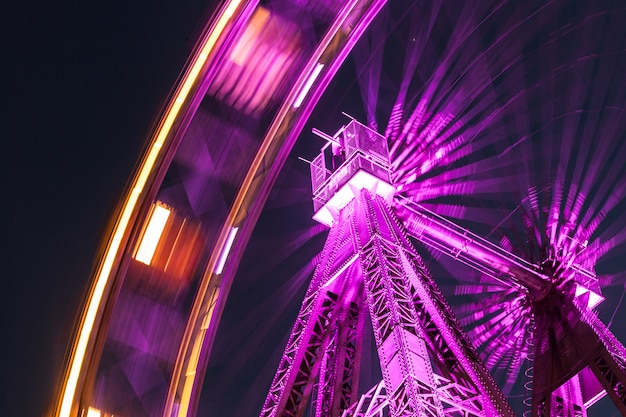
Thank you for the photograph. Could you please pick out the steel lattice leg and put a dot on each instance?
(451, 350)
(338, 382)
(572, 346)
(369, 263)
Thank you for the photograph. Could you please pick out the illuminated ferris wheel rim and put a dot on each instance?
(347, 27)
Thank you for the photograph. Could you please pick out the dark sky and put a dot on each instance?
(85, 82)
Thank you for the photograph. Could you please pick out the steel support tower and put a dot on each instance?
(368, 267)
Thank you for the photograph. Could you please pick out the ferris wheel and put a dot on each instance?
(505, 139)
(505, 181)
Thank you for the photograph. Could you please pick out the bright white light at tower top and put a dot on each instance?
(359, 159)
(307, 85)
(224, 255)
(152, 235)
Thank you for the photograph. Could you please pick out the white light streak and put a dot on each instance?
(226, 251)
(307, 85)
(152, 235)
(93, 412)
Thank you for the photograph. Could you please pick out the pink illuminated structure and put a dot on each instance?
(369, 268)
(368, 265)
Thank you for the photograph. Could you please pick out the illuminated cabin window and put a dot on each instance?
(167, 254)
(152, 234)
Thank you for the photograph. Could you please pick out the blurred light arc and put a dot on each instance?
(82, 358)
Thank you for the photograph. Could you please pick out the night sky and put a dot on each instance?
(86, 82)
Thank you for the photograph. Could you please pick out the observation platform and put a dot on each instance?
(354, 158)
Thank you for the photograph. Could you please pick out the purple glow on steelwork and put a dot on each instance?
(464, 143)
(399, 295)
(476, 136)
(394, 279)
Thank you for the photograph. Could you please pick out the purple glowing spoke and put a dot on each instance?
(468, 129)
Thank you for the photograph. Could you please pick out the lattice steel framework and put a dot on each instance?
(368, 262)
(572, 344)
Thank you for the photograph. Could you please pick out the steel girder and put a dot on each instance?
(340, 366)
(367, 262)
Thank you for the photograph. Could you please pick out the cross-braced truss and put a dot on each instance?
(456, 400)
(368, 265)
(576, 358)
(573, 345)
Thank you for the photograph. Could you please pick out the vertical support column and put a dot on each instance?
(351, 366)
(435, 319)
(567, 400)
(299, 365)
(327, 379)
(568, 339)
(328, 330)
(319, 328)
(609, 364)
(443, 329)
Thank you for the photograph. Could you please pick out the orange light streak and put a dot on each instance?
(77, 357)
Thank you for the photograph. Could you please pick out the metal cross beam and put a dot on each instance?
(573, 345)
(484, 256)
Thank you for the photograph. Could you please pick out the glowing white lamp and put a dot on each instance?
(152, 234)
